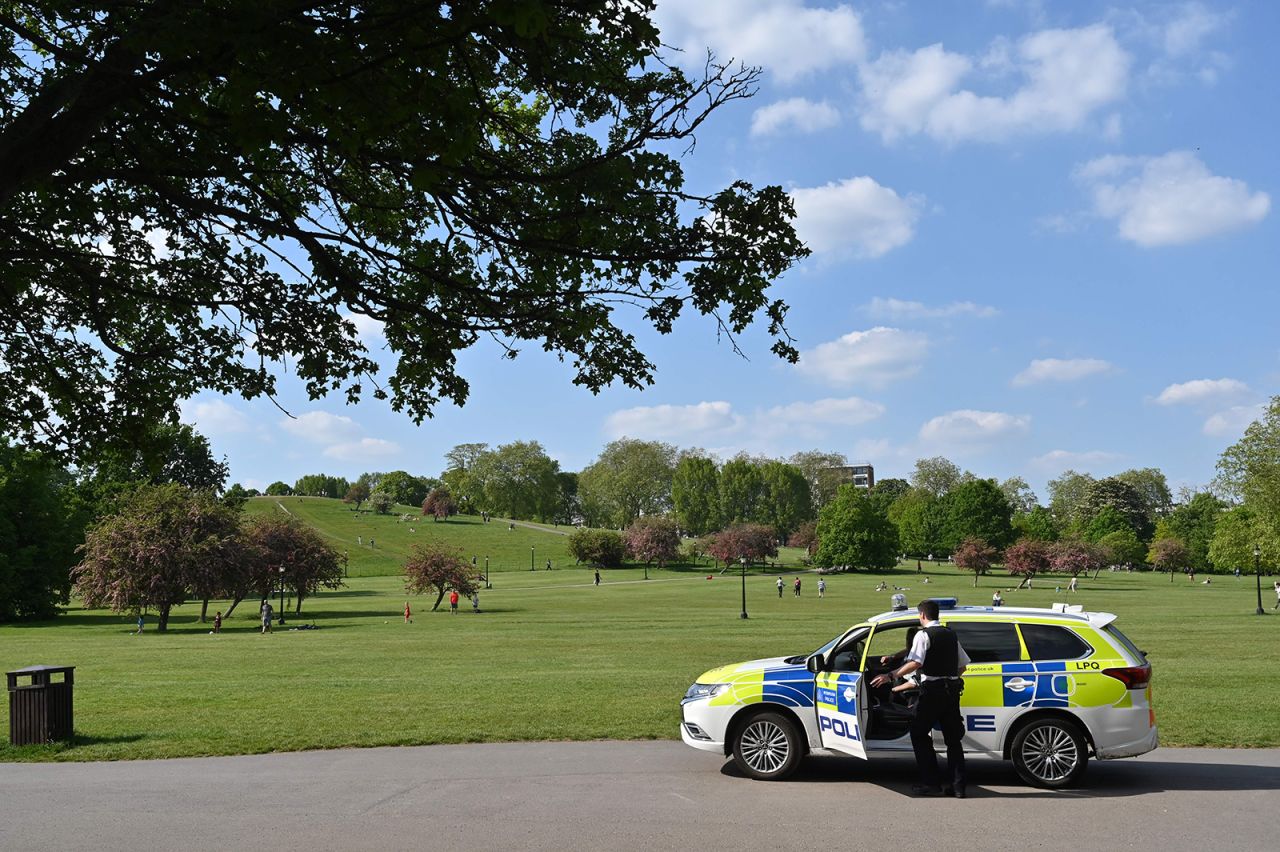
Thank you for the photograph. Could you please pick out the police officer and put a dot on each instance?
(937, 655)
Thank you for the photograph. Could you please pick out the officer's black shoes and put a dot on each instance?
(925, 791)
(958, 792)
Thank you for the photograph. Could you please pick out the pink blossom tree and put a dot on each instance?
(1028, 557)
(653, 539)
(753, 542)
(1075, 557)
(163, 545)
(434, 566)
(974, 554)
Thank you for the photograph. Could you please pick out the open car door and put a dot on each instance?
(842, 711)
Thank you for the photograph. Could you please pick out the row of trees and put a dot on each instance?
(656, 539)
(45, 506)
(168, 544)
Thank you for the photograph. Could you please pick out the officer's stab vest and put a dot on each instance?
(942, 659)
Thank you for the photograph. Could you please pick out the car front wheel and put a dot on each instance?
(767, 747)
(1050, 753)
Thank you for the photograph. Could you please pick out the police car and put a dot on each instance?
(1046, 688)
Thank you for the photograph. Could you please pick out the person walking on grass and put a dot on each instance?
(140, 623)
(217, 622)
(408, 614)
(822, 588)
(780, 585)
(266, 612)
(475, 601)
(597, 576)
(453, 602)
(1277, 595)
(1074, 585)
(796, 586)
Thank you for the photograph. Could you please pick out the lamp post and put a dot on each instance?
(531, 568)
(743, 560)
(1257, 576)
(280, 615)
(486, 573)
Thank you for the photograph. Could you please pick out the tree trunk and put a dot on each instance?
(234, 603)
(439, 598)
(298, 609)
(204, 610)
(163, 623)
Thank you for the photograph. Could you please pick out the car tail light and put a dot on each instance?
(1133, 677)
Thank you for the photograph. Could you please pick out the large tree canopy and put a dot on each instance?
(193, 195)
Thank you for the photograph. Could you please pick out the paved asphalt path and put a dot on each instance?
(626, 795)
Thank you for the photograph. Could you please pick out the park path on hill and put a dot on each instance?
(624, 795)
(538, 528)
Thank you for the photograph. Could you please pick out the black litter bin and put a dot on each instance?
(40, 711)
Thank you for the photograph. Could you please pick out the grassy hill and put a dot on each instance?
(507, 549)
(345, 529)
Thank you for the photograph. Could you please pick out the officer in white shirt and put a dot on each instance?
(938, 656)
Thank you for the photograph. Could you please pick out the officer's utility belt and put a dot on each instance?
(949, 684)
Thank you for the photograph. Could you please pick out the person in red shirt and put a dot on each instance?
(408, 614)
(453, 602)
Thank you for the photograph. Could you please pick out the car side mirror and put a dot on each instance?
(815, 664)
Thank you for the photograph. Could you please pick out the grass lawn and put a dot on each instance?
(552, 657)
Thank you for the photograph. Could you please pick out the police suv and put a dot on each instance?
(1046, 688)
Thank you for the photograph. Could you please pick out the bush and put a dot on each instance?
(381, 502)
(604, 548)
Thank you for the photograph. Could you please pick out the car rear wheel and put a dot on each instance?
(767, 747)
(1050, 752)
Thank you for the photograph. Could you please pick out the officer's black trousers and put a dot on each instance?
(939, 704)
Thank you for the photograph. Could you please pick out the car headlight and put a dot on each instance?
(705, 690)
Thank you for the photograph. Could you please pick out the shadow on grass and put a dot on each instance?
(1103, 780)
(45, 751)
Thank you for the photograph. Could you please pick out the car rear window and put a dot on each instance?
(1049, 642)
(1114, 632)
(988, 641)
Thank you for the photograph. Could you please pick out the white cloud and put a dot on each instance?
(1204, 392)
(1190, 25)
(850, 411)
(1060, 460)
(672, 422)
(1060, 370)
(1232, 422)
(363, 450)
(898, 309)
(786, 37)
(876, 357)
(968, 427)
(1169, 199)
(215, 416)
(856, 216)
(799, 114)
(1067, 75)
(321, 427)
(711, 422)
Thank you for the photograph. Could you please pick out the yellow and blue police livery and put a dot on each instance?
(1046, 688)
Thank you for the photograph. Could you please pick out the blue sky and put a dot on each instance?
(1043, 239)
